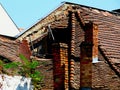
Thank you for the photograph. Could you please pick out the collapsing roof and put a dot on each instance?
(108, 29)
(11, 49)
(108, 25)
(7, 26)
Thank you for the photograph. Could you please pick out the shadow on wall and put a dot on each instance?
(25, 84)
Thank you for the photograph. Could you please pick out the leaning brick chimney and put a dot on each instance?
(91, 35)
(89, 53)
(95, 43)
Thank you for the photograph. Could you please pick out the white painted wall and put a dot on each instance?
(7, 26)
(15, 83)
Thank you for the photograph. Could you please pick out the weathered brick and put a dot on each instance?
(60, 66)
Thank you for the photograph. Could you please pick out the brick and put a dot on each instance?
(89, 50)
(60, 66)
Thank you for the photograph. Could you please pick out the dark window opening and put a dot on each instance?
(43, 48)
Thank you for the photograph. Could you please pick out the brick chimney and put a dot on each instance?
(95, 43)
(60, 66)
(89, 53)
(91, 35)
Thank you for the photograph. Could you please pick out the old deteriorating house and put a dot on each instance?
(75, 33)
(72, 24)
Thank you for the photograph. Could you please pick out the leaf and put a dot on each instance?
(1, 63)
(34, 64)
(10, 65)
(25, 60)
(36, 76)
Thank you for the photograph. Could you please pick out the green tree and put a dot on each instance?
(26, 68)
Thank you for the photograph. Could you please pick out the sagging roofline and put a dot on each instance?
(20, 34)
(62, 3)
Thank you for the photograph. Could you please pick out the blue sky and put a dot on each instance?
(25, 13)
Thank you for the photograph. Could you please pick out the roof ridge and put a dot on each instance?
(93, 8)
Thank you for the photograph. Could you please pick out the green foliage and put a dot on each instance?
(1, 63)
(1, 66)
(11, 65)
(27, 68)
(25, 60)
